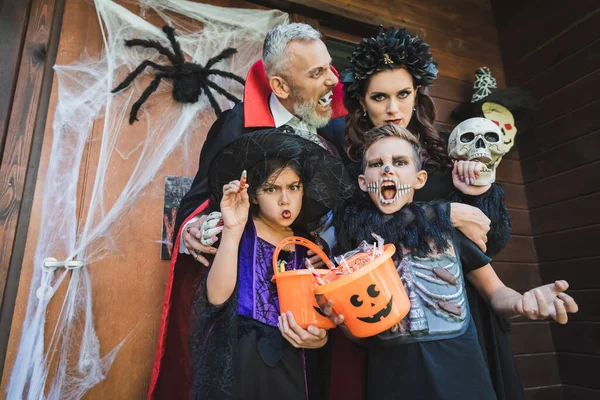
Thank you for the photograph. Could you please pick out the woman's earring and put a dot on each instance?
(365, 116)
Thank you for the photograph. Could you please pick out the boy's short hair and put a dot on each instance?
(391, 130)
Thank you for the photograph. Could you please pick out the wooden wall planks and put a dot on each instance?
(556, 55)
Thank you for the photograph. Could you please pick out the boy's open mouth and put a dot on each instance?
(389, 189)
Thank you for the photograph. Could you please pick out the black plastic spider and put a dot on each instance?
(189, 79)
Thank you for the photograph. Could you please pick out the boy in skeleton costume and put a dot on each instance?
(434, 352)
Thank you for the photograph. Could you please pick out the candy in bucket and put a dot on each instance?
(368, 292)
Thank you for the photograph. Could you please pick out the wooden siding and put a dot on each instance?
(555, 53)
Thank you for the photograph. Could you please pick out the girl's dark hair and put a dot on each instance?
(421, 125)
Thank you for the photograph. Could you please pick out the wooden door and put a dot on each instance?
(128, 286)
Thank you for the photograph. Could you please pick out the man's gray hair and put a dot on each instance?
(275, 57)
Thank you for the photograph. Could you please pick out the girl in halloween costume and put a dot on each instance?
(433, 353)
(242, 348)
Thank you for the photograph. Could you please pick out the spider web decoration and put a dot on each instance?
(67, 363)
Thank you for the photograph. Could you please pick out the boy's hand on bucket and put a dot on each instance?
(314, 259)
(327, 309)
(309, 338)
(338, 319)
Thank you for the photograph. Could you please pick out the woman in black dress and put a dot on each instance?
(387, 85)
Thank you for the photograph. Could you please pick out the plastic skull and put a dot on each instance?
(478, 139)
(502, 117)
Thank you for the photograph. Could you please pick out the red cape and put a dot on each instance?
(171, 370)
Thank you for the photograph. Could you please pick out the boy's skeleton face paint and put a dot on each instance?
(390, 175)
(387, 189)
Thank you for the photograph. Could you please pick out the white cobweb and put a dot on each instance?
(68, 363)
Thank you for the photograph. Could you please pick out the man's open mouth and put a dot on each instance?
(389, 189)
(325, 100)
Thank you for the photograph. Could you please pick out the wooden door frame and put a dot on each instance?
(31, 42)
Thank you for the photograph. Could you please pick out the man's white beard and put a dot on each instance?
(306, 111)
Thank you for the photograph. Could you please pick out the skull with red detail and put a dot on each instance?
(502, 117)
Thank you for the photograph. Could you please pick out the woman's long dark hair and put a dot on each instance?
(421, 125)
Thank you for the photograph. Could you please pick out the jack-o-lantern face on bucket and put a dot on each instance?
(371, 302)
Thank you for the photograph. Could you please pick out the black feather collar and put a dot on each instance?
(419, 227)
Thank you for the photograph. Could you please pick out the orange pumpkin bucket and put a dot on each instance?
(372, 299)
(295, 288)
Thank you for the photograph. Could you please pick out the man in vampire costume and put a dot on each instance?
(295, 85)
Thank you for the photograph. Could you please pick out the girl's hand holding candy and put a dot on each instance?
(235, 205)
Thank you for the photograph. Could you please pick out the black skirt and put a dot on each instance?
(298, 375)
(449, 369)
